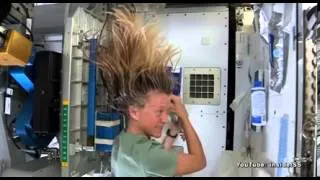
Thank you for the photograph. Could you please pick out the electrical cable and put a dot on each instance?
(10, 133)
(104, 81)
(9, 122)
(23, 24)
(25, 10)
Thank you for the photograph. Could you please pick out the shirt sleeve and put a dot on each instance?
(157, 161)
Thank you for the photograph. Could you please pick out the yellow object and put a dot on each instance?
(248, 17)
(65, 102)
(16, 50)
(64, 164)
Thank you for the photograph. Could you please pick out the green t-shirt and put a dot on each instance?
(138, 156)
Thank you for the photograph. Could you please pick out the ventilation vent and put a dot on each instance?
(202, 86)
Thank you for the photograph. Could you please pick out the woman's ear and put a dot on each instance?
(134, 112)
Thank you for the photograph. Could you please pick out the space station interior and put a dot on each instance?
(247, 75)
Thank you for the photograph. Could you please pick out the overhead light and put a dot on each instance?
(41, 4)
(308, 5)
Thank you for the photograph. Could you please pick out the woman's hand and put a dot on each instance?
(178, 107)
(174, 127)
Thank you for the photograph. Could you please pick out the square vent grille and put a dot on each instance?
(201, 86)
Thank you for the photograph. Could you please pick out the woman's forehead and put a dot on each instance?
(156, 99)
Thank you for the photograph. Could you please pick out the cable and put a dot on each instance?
(9, 130)
(7, 120)
(134, 10)
(25, 10)
(104, 24)
(23, 24)
(104, 81)
(9, 126)
(36, 154)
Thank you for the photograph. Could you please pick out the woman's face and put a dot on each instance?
(152, 117)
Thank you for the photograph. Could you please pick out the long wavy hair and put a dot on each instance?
(133, 60)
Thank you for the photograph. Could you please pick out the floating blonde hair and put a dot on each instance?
(134, 60)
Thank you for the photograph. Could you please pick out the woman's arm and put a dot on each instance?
(171, 136)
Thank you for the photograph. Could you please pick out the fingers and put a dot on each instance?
(174, 99)
(173, 103)
(171, 108)
(178, 107)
